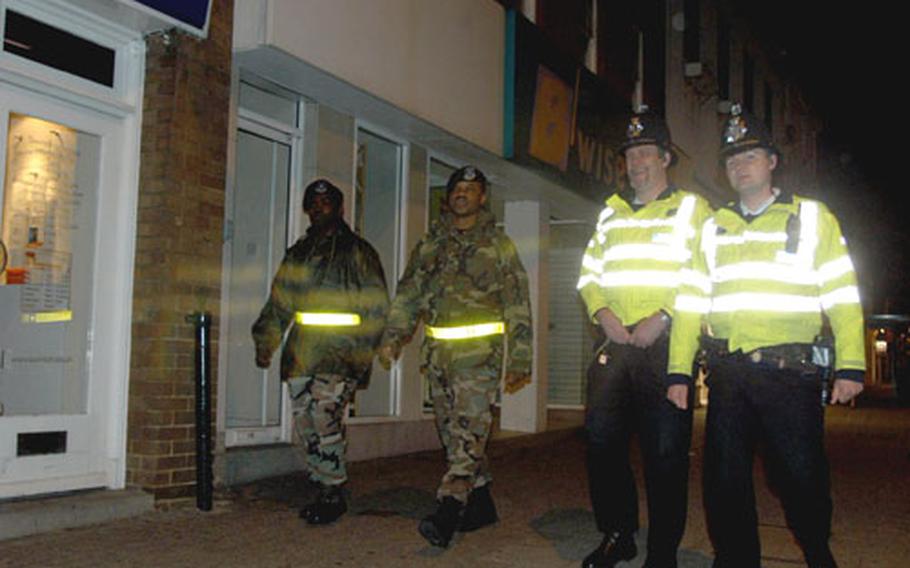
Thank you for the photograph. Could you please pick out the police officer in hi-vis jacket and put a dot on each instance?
(771, 273)
(631, 271)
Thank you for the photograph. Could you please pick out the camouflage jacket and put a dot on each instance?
(458, 278)
(326, 273)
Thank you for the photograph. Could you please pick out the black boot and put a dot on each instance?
(671, 563)
(327, 508)
(439, 527)
(480, 510)
(614, 548)
(820, 557)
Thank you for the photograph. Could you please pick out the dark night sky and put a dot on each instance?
(850, 61)
(850, 64)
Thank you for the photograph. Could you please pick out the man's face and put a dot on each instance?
(466, 198)
(323, 211)
(750, 171)
(646, 166)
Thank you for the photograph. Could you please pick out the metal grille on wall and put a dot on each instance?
(570, 341)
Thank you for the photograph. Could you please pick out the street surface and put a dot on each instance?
(540, 490)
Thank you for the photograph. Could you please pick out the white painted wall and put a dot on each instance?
(441, 61)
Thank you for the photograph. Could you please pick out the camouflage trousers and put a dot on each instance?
(462, 401)
(319, 424)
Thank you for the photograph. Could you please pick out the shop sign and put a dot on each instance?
(562, 121)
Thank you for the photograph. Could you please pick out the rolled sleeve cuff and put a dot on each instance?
(678, 379)
(854, 375)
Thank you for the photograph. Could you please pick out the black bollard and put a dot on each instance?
(203, 323)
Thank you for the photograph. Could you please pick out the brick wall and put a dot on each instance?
(178, 247)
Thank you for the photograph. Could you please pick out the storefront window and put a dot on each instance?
(378, 182)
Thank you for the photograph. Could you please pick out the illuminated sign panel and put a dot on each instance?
(191, 12)
(191, 15)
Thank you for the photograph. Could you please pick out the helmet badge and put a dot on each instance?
(635, 127)
(736, 126)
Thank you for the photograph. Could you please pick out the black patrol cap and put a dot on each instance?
(322, 186)
(466, 173)
(646, 127)
(744, 132)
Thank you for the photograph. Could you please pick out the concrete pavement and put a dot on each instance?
(540, 490)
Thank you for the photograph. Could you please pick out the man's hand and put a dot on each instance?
(388, 354)
(648, 330)
(615, 330)
(845, 390)
(263, 357)
(679, 396)
(514, 382)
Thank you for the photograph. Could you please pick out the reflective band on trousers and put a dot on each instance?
(327, 318)
(466, 331)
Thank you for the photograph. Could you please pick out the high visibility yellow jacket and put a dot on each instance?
(768, 282)
(632, 263)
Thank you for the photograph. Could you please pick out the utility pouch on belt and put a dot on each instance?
(823, 352)
(823, 358)
(713, 348)
(793, 356)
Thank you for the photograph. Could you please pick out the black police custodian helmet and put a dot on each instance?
(647, 128)
(744, 132)
(466, 173)
(321, 187)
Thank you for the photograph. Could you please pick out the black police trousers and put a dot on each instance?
(627, 396)
(753, 407)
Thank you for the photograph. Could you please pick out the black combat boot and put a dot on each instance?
(327, 508)
(439, 527)
(614, 548)
(480, 510)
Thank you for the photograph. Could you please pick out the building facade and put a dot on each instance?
(183, 156)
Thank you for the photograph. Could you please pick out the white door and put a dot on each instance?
(61, 196)
(258, 217)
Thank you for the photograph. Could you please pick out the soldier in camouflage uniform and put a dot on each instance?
(331, 289)
(465, 281)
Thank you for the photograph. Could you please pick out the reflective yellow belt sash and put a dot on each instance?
(466, 331)
(327, 318)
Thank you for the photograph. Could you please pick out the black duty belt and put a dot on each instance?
(793, 356)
